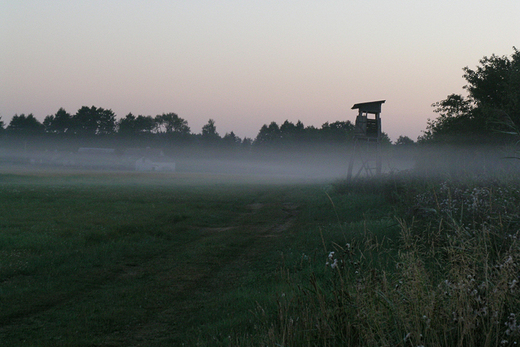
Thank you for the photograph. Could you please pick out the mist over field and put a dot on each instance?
(312, 163)
(302, 162)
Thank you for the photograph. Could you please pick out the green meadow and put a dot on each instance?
(127, 259)
(104, 259)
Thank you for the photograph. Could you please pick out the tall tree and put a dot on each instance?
(25, 125)
(144, 124)
(209, 130)
(495, 84)
(126, 126)
(339, 131)
(172, 123)
(494, 94)
(91, 121)
(455, 119)
(58, 123)
(107, 122)
(231, 140)
(404, 141)
(290, 132)
(268, 134)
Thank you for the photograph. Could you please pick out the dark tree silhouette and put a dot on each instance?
(231, 140)
(209, 130)
(495, 84)
(93, 121)
(131, 125)
(59, 123)
(25, 125)
(171, 123)
(404, 141)
(493, 103)
(127, 126)
(144, 124)
(337, 132)
(455, 118)
(268, 134)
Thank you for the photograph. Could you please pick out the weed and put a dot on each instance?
(451, 280)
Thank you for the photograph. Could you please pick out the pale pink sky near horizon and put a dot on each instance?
(245, 64)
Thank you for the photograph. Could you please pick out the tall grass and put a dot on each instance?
(450, 279)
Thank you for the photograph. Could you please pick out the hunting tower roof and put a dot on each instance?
(369, 107)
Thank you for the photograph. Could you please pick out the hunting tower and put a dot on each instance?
(367, 139)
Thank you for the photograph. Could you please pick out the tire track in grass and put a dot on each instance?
(194, 284)
(173, 288)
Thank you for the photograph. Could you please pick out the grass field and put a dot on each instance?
(124, 259)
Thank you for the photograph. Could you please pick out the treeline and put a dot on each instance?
(96, 123)
(489, 114)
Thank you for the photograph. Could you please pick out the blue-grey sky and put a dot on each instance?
(247, 63)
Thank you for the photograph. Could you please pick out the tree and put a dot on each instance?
(247, 142)
(495, 84)
(132, 125)
(268, 134)
(107, 122)
(493, 100)
(385, 140)
(231, 140)
(25, 125)
(145, 124)
(404, 141)
(209, 131)
(455, 116)
(337, 131)
(59, 123)
(171, 122)
(126, 126)
(291, 132)
(93, 121)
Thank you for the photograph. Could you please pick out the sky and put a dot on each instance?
(247, 63)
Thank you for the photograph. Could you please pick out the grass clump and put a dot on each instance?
(447, 275)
